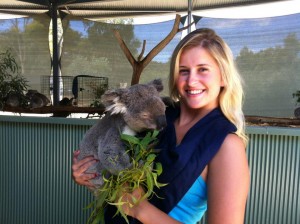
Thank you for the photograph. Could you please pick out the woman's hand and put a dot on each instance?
(79, 168)
(144, 211)
(130, 207)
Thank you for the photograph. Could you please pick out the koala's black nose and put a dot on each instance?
(161, 122)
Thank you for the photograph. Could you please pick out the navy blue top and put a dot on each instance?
(182, 164)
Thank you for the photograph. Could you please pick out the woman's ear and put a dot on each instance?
(222, 82)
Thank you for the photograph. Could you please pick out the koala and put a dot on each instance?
(66, 101)
(36, 99)
(130, 111)
(13, 99)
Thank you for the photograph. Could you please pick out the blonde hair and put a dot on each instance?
(231, 95)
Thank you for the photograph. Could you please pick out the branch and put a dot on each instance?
(138, 65)
(124, 48)
(185, 27)
(143, 50)
(164, 42)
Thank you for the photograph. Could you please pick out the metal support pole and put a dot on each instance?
(56, 83)
(189, 15)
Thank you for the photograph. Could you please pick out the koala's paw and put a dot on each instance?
(114, 160)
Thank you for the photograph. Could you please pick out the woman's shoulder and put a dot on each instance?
(232, 140)
(227, 170)
(232, 149)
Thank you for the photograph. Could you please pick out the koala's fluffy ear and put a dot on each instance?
(112, 102)
(157, 83)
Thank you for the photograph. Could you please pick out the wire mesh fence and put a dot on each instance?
(83, 89)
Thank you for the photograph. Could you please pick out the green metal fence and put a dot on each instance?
(274, 159)
(36, 185)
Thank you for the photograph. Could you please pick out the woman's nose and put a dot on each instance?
(192, 78)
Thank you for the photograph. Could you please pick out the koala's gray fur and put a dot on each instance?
(32, 99)
(37, 99)
(13, 99)
(130, 110)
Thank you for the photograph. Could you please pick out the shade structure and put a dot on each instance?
(97, 9)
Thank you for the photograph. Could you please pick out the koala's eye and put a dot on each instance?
(145, 115)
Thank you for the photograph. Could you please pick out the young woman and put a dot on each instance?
(203, 157)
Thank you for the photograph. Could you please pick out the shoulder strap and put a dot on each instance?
(183, 164)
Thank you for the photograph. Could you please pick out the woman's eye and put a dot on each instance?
(183, 72)
(203, 69)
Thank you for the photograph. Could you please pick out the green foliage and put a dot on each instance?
(270, 76)
(143, 173)
(8, 65)
(9, 81)
(98, 91)
(297, 95)
(28, 40)
(100, 53)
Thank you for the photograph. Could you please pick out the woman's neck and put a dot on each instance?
(187, 119)
(190, 115)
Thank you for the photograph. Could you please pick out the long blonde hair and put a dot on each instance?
(231, 95)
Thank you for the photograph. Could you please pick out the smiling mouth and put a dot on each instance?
(194, 92)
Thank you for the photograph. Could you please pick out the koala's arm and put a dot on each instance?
(112, 153)
(89, 144)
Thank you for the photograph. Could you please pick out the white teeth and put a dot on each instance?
(195, 91)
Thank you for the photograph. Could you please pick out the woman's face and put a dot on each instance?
(199, 80)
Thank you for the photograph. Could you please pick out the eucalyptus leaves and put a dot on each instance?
(11, 81)
(143, 173)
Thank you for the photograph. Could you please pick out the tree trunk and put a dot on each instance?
(136, 74)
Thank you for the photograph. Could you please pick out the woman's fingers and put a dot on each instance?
(79, 168)
(82, 165)
(130, 198)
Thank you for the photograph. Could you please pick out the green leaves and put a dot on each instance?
(297, 95)
(9, 81)
(143, 173)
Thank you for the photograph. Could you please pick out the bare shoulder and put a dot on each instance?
(231, 155)
(228, 182)
(233, 140)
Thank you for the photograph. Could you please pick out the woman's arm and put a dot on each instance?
(144, 211)
(79, 168)
(228, 183)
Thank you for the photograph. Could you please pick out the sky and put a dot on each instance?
(256, 34)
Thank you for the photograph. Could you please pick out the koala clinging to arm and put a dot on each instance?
(129, 111)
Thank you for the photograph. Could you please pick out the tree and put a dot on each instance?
(11, 82)
(141, 62)
(28, 40)
(271, 77)
(101, 43)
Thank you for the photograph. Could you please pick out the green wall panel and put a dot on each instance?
(36, 184)
(35, 172)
